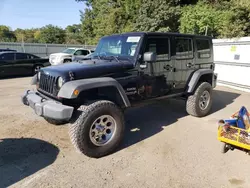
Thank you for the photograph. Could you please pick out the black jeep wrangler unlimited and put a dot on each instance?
(125, 70)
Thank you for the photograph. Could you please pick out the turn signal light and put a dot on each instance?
(76, 92)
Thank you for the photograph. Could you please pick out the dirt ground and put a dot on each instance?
(163, 147)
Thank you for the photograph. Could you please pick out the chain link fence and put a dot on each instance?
(41, 50)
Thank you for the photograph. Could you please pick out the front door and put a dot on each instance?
(184, 61)
(159, 74)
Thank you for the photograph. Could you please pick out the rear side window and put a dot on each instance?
(160, 46)
(184, 48)
(32, 56)
(203, 48)
(7, 57)
(21, 56)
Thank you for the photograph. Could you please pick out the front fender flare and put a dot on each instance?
(67, 90)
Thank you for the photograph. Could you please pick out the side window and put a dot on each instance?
(32, 56)
(78, 52)
(203, 48)
(8, 56)
(20, 56)
(85, 52)
(160, 46)
(184, 48)
(82, 52)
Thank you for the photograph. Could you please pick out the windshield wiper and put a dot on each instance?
(114, 57)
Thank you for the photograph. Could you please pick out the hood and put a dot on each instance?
(87, 69)
(60, 54)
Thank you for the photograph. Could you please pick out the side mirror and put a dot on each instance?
(149, 57)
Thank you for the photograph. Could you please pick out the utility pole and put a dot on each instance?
(23, 43)
(206, 30)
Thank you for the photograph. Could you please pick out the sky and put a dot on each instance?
(26, 14)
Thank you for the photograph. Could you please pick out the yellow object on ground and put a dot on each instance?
(234, 135)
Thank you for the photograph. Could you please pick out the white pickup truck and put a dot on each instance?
(67, 55)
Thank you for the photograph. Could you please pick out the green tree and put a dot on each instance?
(158, 15)
(6, 35)
(195, 19)
(88, 35)
(105, 17)
(237, 23)
(26, 35)
(224, 19)
(74, 34)
(37, 35)
(52, 34)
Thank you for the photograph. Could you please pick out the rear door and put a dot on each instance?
(204, 58)
(22, 65)
(6, 62)
(184, 61)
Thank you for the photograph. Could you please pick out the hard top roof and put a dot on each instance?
(7, 52)
(163, 33)
(14, 52)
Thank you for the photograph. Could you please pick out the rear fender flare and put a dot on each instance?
(196, 77)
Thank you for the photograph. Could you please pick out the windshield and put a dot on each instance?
(119, 46)
(69, 51)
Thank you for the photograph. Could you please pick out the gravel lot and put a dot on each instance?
(163, 147)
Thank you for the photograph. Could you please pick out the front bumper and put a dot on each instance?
(55, 61)
(46, 107)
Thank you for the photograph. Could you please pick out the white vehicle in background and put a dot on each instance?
(67, 55)
(82, 58)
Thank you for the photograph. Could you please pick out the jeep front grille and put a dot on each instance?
(47, 83)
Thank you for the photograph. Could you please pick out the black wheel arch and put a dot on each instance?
(197, 77)
(104, 88)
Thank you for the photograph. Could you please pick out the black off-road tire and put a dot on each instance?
(224, 148)
(192, 105)
(81, 124)
(55, 122)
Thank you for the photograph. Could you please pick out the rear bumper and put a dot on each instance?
(47, 108)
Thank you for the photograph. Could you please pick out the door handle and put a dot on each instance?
(189, 65)
(169, 68)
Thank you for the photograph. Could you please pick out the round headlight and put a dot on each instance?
(60, 82)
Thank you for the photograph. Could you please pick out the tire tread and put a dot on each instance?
(191, 105)
(77, 125)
